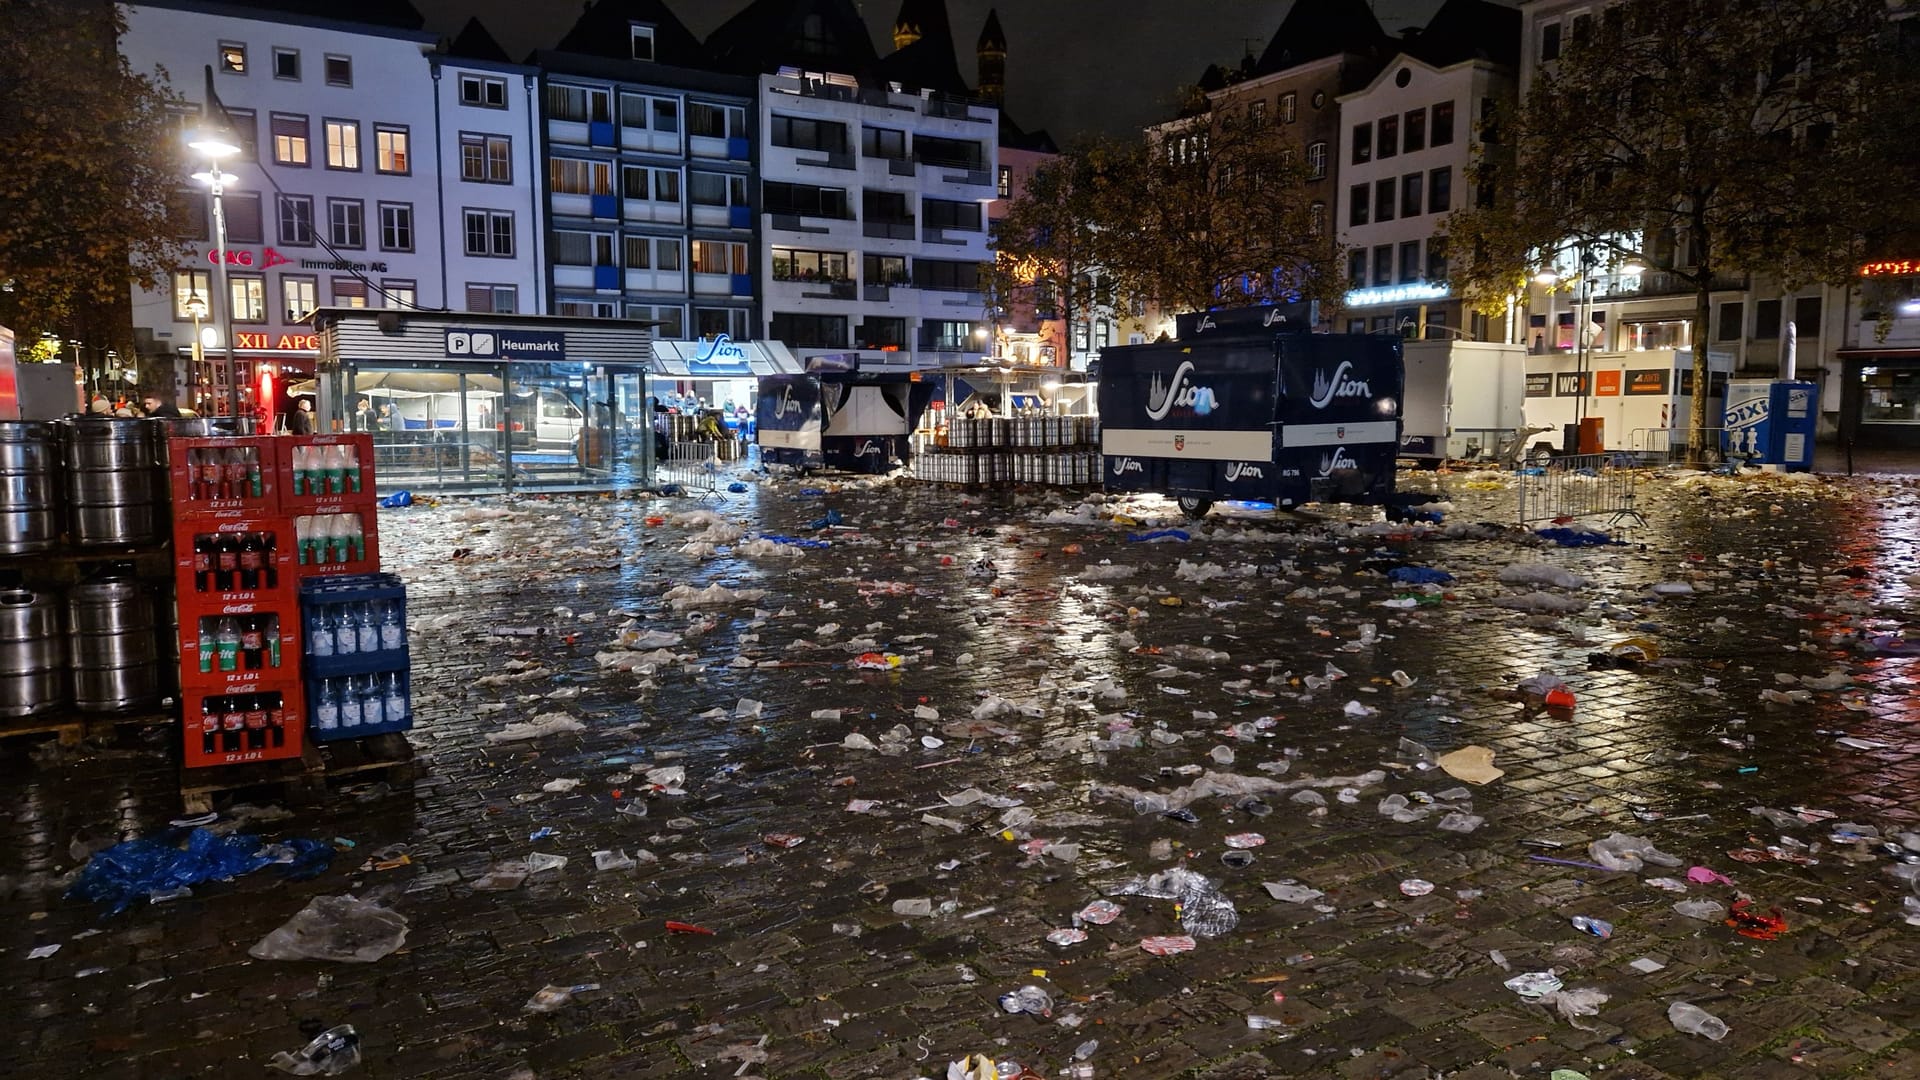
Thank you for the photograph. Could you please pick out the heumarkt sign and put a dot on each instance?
(548, 345)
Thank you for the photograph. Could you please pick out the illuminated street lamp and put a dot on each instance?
(212, 143)
(197, 309)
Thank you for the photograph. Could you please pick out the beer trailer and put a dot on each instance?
(1247, 405)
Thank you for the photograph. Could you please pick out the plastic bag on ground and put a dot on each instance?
(1628, 853)
(119, 875)
(1573, 1004)
(331, 1053)
(1541, 574)
(554, 998)
(1204, 910)
(554, 723)
(339, 928)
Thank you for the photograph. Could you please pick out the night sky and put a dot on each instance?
(1073, 66)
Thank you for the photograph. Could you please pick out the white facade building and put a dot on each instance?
(347, 185)
(1407, 141)
(487, 137)
(874, 224)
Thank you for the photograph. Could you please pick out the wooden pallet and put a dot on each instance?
(304, 780)
(387, 757)
(287, 780)
(72, 728)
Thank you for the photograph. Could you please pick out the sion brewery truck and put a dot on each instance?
(1246, 405)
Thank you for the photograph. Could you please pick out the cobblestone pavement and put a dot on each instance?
(1094, 692)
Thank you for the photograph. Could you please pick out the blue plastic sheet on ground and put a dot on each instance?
(832, 518)
(813, 491)
(123, 873)
(736, 487)
(397, 499)
(1419, 575)
(1575, 537)
(1159, 536)
(796, 541)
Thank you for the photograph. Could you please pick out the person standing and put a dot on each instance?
(300, 420)
(364, 417)
(161, 407)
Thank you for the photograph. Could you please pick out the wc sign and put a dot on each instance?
(506, 345)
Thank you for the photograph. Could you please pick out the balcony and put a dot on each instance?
(888, 228)
(791, 222)
(828, 290)
(663, 213)
(1660, 283)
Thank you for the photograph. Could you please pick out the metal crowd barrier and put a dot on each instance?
(694, 466)
(1580, 486)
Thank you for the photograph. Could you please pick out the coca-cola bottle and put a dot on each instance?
(233, 720)
(253, 642)
(203, 545)
(256, 714)
(210, 473)
(277, 718)
(226, 562)
(252, 560)
(209, 725)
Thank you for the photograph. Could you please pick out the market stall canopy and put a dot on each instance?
(721, 357)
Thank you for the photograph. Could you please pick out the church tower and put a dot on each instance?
(908, 26)
(992, 54)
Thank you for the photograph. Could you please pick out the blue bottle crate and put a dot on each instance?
(323, 601)
(320, 730)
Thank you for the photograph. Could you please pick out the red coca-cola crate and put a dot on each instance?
(222, 475)
(264, 722)
(321, 474)
(233, 653)
(345, 541)
(233, 562)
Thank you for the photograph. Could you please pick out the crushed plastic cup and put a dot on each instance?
(554, 998)
(331, 1053)
(1560, 698)
(1067, 936)
(1289, 893)
(1031, 1000)
(1245, 840)
(612, 860)
(1534, 984)
(1694, 1020)
(1168, 944)
(1416, 887)
(1599, 928)
(1099, 913)
(918, 906)
(1704, 910)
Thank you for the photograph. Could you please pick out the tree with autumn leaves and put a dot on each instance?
(89, 161)
(1704, 139)
(1210, 212)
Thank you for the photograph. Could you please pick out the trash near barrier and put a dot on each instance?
(337, 928)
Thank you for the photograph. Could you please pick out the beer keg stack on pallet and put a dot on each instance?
(85, 624)
(1054, 451)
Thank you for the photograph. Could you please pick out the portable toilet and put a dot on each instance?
(1771, 422)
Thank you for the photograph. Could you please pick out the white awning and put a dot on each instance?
(723, 358)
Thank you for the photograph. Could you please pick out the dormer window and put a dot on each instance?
(641, 34)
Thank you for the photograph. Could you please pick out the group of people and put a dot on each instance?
(368, 418)
(147, 405)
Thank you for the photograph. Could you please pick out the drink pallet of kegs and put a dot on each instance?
(997, 451)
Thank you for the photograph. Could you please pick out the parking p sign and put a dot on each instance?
(473, 344)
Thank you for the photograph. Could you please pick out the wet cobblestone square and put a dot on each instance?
(1058, 689)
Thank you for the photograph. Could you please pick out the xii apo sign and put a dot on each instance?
(506, 345)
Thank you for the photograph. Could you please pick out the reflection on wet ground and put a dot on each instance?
(1069, 711)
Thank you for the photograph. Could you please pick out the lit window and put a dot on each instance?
(390, 146)
(343, 144)
(233, 58)
(188, 284)
(249, 297)
(299, 295)
(289, 139)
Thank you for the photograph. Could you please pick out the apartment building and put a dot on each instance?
(1407, 142)
(338, 194)
(649, 173)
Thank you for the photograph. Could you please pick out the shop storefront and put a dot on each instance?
(1880, 398)
(475, 402)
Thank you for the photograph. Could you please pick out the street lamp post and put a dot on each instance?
(197, 308)
(212, 143)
